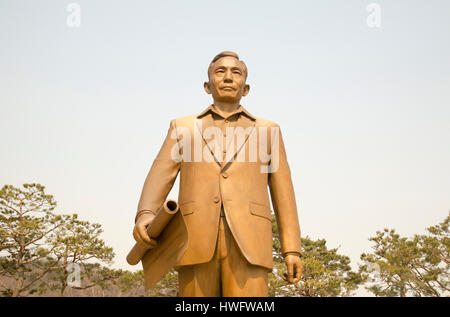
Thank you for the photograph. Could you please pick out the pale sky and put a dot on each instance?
(365, 112)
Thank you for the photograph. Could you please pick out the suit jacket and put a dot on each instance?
(241, 185)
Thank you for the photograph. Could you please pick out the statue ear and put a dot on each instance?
(206, 87)
(246, 90)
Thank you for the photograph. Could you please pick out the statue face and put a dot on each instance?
(227, 80)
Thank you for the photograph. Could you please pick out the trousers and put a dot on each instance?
(228, 274)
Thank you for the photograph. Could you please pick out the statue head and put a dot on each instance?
(227, 75)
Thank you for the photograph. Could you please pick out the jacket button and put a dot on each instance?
(224, 175)
(216, 200)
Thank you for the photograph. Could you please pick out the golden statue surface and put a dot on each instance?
(220, 239)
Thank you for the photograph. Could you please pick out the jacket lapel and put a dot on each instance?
(243, 125)
(202, 124)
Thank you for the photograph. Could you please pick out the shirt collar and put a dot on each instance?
(241, 109)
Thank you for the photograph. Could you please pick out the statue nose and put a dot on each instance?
(228, 77)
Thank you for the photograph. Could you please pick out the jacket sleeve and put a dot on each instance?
(162, 174)
(283, 199)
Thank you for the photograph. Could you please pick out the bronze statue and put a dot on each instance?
(227, 160)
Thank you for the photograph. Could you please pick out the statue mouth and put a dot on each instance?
(228, 88)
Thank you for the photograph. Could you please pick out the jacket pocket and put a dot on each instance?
(187, 208)
(260, 211)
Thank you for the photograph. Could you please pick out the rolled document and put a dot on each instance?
(162, 218)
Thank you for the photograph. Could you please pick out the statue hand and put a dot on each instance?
(140, 231)
(294, 268)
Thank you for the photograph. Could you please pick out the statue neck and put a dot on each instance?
(226, 108)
